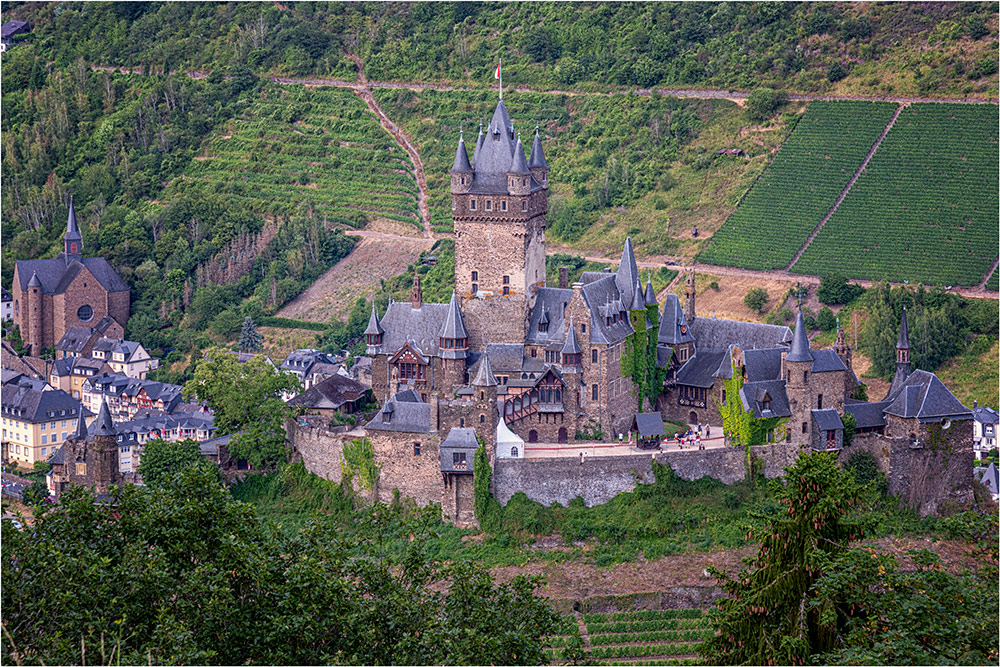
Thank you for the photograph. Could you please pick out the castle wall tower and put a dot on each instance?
(485, 419)
(902, 358)
(689, 296)
(499, 217)
(843, 350)
(104, 456)
(796, 365)
(35, 308)
(453, 343)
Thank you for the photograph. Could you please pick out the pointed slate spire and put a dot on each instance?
(800, 350)
(104, 423)
(518, 165)
(571, 346)
(628, 273)
(461, 164)
(537, 156)
(81, 426)
(485, 377)
(453, 326)
(904, 334)
(34, 282)
(374, 326)
(638, 300)
(72, 240)
(479, 144)
(650, 294)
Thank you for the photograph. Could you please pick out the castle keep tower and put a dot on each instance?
(498, 208)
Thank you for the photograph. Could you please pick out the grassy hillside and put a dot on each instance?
(925, 208)
(861, 48)
(621, 165)
(973, 375)
(799, 186)
(321, 147)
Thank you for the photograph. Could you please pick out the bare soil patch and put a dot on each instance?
(727, 301)
(278, 341)
(359, 274)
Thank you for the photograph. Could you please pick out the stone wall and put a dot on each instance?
(322, 450)
(599, 479)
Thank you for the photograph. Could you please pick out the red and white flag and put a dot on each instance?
(496, 74)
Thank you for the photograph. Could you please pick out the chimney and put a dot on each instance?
(435, 412)
(416, 294)
(563, 277)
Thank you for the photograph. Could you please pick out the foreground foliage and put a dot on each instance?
(185, 574)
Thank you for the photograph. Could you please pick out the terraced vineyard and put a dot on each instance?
(994, 282)
(648, 637)
(799, 187)
(925, 208)
(321, 147)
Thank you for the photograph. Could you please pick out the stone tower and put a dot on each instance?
(72, 240)
(796, 365)
(453, 343)
(484, 388)
(104, 455)
(902, 358)
(846, 355)
(498, 208)
(689, 296)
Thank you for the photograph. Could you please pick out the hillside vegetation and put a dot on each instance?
(925, 208)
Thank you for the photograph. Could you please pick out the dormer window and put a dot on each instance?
(386, 417)
(765, 403)
(543, 327)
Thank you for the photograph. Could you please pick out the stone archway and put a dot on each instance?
(532, 435)
(563, 436)
(693, 417)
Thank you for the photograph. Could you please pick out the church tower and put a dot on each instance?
(498, 208)
(72, 239)
(902, 359)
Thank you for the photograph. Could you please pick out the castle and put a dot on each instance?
(53, 295)
(510, 360)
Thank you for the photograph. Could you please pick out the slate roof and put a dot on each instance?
(923, 396)
(650, 294)
(627, 275)
(11, 28)
(753, 393)
(714, 333)
(537, 155)
(72, 229)
(552, 302)
(825, 361)
(648, 424)
(495, 157)
(35, 406)
(518, 164)
(479, 144)
(58, 459)
(762, 364)
(461, 164)
(866, 415)
(459, 440)
(699, 370)
(800, 349)
(663, 356)
(827, 419)
(571, 346)
(991, 479)
(903, 342)
(6, 296)
(330, 394)
(422, 326)
(985, 415)
(374, 327)
(301, 362)
(55, 274)
(485, 377)
(673, 327)
(590, 276)
(454, 326)
(408, 415)
(597, 295)
(104, 425)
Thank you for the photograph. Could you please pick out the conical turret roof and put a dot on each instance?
(34, 282)
(485, 377)
(904, 334)
(105, 426)
(81, 426)
(638, 298)
(461, 164)
(72, 230)
(799, 350)
(479, 144)
(571, 346)
(628, 273)
(650, 294)
(537, 156)
(454, 326)
(374, 326)
(518, 165)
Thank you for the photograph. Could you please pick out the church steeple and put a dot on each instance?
(902, 358)
(72, 240)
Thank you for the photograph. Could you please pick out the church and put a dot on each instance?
(52, 295)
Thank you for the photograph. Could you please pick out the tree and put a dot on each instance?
(250, 340)
(763, 103)
(756, 299)
(184, 573)
(36, 493)
(247, 399)
(769, 615)
(825, 319)
(161, 459)
(834, 289)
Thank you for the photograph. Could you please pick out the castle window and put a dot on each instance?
(506, 290)
(72, 248)
(583, 328)
(805, 376)
(506, 280)
(593, 356)
(593, 392)
(819, 401)
(463, 180)
(513, 452)
(416, 449)
(85, 313)
(543, 327)
(475, 288)
(524, 206)
(472, 204)
(723, 401)
(524, 181)
(482, 419)
(489, 204)
(461, 422)
(503, 205)
(475, 276)
(482, 395)
(805, 427)
(534, 352)
(458, 461)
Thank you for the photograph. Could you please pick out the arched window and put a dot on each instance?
(461, 422)
(593, 356)
(532, 435)
(482, 419)
(513, 452)
(805, 427)
(72, 248)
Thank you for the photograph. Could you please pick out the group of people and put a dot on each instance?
(692, 437)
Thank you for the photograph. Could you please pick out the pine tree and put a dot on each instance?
(250, 340)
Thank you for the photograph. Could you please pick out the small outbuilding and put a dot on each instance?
(648, 428)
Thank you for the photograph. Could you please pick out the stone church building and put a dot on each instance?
(52, 295)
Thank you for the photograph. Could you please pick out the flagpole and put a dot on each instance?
(500, 67)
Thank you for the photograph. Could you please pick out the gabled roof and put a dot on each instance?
(26, 404)
(11, 28)
(673, 327)
(799, 349)
(459, 440)
(597, 295)
(648, 424)
(402, 322)
(537, 155)
(51, 273)
(762, 364)
(754, 394)
(716, 333)
(550, 302)
(923, 396)
(406, 415)
(827, 419)
(699, 370)
(866, 415)
(6, 295)
(985, 415)
(331, 393)
(825, 361)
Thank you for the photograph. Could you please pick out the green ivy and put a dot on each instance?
(486, 508)
(638, 360)
(359, 459)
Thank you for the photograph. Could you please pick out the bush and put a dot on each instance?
(834, 289)
(836, 73)
(763, 103)
(756, 299)
(714, 285)
(864, 469)
(825, 319)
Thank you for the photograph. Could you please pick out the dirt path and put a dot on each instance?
(982, 284)
(362, 90)
(847, 188)
(359, 274)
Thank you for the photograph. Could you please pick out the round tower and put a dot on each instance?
(519, 176)
(796, 365)
(461, 170)
(484, 421)
(35, 338)
(538, 166)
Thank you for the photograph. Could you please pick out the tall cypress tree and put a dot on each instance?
(250, 340)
